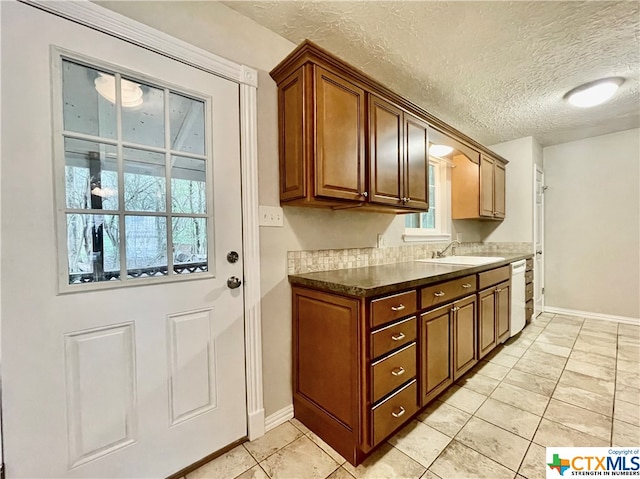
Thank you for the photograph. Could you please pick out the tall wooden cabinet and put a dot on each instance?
(346, 141)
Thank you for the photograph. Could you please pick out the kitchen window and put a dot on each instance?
(434, 225)
(133, 182)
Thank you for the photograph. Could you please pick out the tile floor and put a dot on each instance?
(564, 381)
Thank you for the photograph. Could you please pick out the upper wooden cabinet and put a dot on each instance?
(478, 188)
(399, 156)
(346, 141)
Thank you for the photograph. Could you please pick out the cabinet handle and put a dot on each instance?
(398, 371)
(364, 193)
(398, 337)
(398, 413)
(439, 294)
(498, 290)
(400, 307)
(454, 309)
(466, 285)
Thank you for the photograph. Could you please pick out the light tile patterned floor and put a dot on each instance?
(564, 381)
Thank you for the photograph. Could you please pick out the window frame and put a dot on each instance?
(58, 55)
(442, 230)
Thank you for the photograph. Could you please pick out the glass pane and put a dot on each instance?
(432, 175)
(85, 110)
(188, 185)
(412, 221)
(93, 248)
(144, 180)
(91, 177)
(187, 124)
(146, 245)
(432, 196)
(428, 219)
(143, 120)
(189, 245)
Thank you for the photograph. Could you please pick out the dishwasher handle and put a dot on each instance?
(518, 267)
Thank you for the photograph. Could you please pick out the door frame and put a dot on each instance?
(116, 25)
(540, 274)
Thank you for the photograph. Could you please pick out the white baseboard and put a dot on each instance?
(256, 424)
(590, 315)
(278, 417)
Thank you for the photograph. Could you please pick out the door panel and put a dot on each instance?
(499, 174)
(386, 152)
(105, 376)
(486, 186)
(538, 277)
(417, 162)
(503, 310)
(486, 322)
(436, 368)
(464, 336)
(292, 151)
(340, 113)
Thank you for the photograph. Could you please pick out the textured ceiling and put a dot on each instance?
(495, 70)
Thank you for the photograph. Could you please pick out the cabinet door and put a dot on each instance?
(385, 152)
(464, 336)
(339, 137)
(291, 101)
(503, 310)
(416, 183)
(499, 184)
(487, 339)
(486, 186)
(435, 343)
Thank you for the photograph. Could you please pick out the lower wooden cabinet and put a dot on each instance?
(363, 367)
(448, 345)
(494, 316)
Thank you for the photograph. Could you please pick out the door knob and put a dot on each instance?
(234, 282)
(539, 252)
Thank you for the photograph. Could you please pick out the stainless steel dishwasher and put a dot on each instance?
(517, 297)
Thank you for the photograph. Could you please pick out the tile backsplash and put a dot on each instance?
(330, 259)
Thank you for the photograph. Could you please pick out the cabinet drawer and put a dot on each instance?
(529, 266)
(446, 292)
(494, 276)
(392, 371)
(394, 412)
(528, 309)
(393, 307)
(393, 336)
(528, 291)
(528, 277)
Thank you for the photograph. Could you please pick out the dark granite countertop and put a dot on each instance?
(371, 281)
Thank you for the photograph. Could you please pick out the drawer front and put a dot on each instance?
(392, 371)
(394, 412)
(494, 276)
(529, 266)
(528, 277)
(528, 309)
(528, 291)
(392, 337)
(393, 307)
(446, 292)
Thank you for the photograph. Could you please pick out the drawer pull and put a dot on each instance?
(399, 412)
(439, 294)
(466, 285)
(398, 371)
(398, 337)
(498, 290)
(400, 307)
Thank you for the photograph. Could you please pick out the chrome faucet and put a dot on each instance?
(441, 254)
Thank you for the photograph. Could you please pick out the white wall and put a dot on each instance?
(592, 217)
(518, 223)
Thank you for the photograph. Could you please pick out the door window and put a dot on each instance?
(136, 182)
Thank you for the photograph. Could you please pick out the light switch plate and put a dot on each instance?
(271, 216)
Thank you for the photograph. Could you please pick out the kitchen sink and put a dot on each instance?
(463, 260)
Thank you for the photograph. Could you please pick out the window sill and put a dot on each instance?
(425, 238)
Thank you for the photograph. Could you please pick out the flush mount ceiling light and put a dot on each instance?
(131, 92)
(594, 93)
(440, 150)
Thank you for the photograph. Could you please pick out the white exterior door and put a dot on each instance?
(538, 278)
(136, 368)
